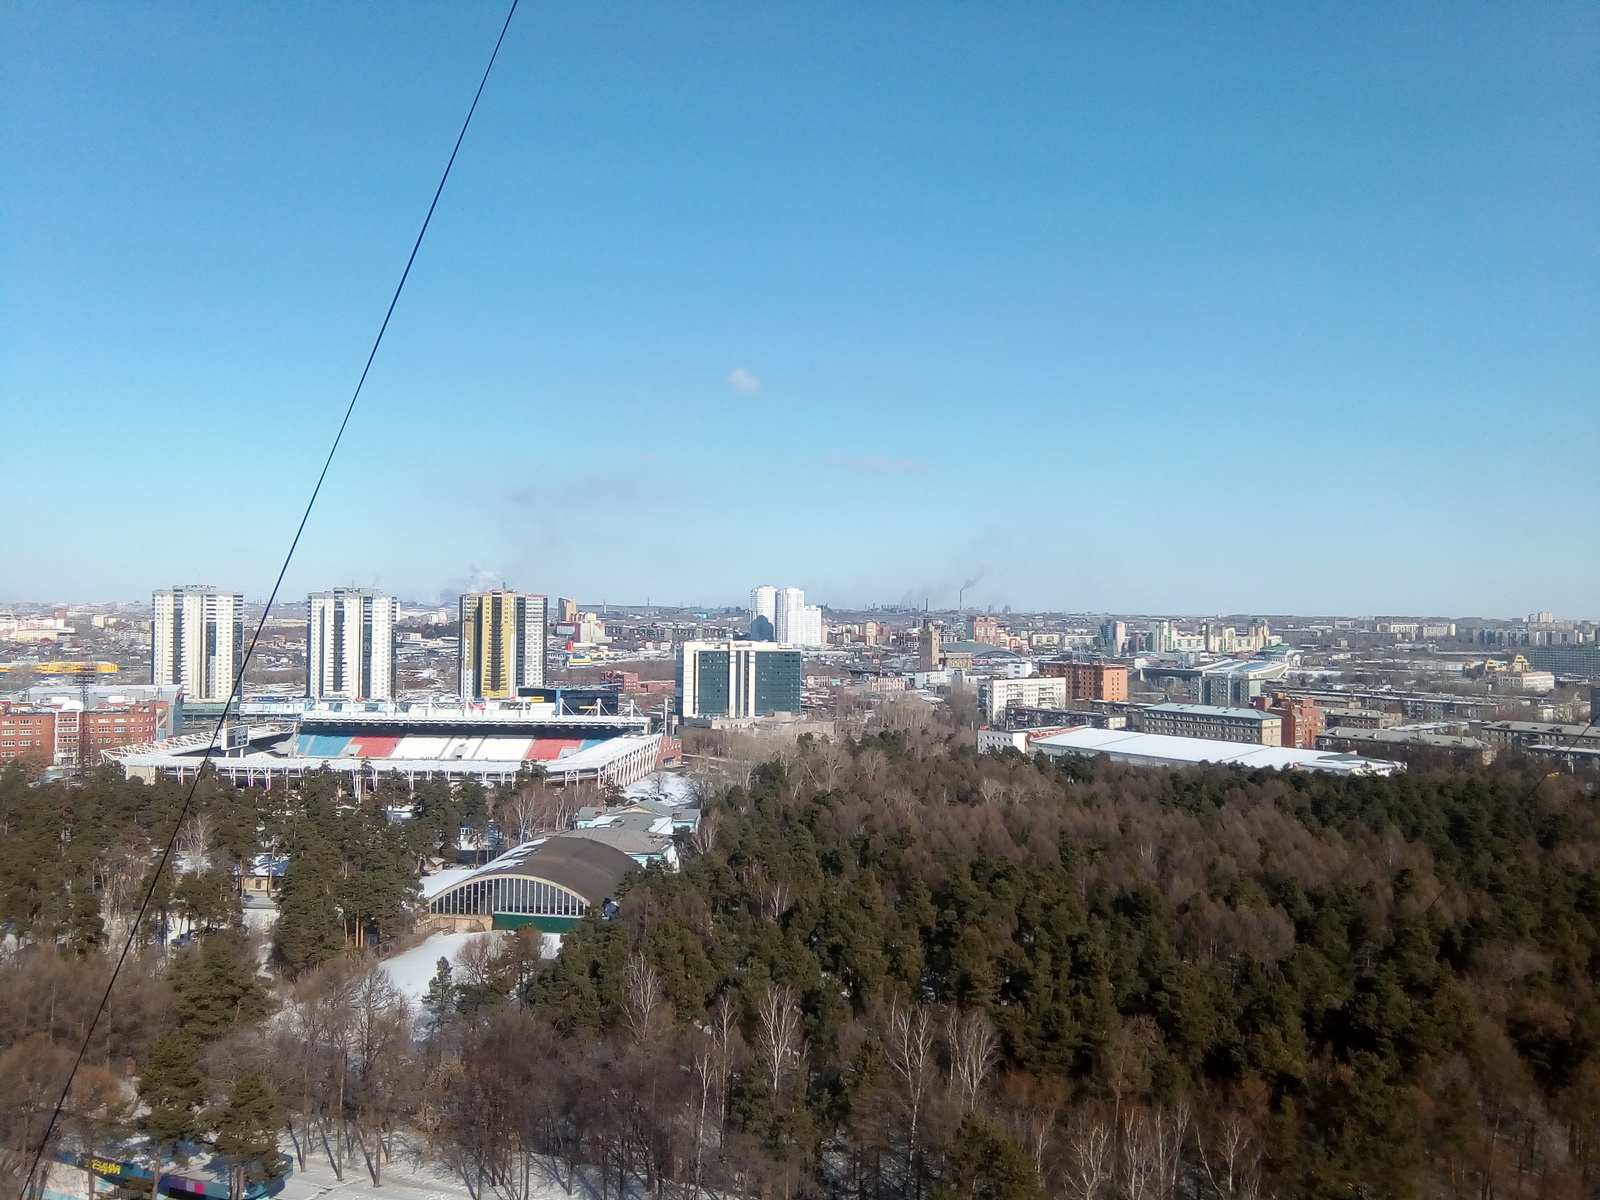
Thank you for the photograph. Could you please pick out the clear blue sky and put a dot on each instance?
(1170, 308)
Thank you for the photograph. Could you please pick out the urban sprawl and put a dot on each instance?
(360, 684)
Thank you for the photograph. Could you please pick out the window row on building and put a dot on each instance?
(508, 894)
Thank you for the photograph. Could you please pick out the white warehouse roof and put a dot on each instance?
(1161, 750)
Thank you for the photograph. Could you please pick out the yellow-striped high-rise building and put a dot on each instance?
(502, 644)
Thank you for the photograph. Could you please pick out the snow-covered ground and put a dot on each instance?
(412, 970)
(408, 1178)
(673, 786)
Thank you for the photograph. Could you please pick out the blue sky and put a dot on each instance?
(1166, 308)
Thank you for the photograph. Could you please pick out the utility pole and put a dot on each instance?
(84, 676)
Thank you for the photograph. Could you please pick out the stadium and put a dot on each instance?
(492, 745)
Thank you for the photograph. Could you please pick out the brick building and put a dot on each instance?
(27, 731)
(1089, 680)
(1301, 718)
(987, 629)
(52, 733)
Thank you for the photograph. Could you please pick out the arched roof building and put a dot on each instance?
(550, 883)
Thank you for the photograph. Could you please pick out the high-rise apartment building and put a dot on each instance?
(798, 623)
(1163, 637)
(197, 640)
(985, 629)
(350, 644)
(1113, 637)
(503, 637)
(737, 679)
(764, 614)
(790, 601)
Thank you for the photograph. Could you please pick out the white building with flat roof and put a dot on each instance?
(1159, 750)
(995, 695)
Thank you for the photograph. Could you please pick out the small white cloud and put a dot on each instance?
(742, 381)
(877, 464)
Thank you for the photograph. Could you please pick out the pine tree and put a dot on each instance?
(217, 986)
(171, 1085)
(247, 1132)
(308, 931)
(440, 1000)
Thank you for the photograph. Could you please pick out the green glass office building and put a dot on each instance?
(737, 679)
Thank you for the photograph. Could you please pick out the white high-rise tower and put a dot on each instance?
(197, 638)
(350, 644)
(764, 603)
(798, 623)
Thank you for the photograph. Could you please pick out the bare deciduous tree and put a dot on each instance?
(782, 1040)
(194, 843)
(1230, 1159)
(1090, 1157)
(910, 1048)
(974, 1051)
(704, 838)
(643, 999)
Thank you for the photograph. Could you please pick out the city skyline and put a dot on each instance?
(1345, 261)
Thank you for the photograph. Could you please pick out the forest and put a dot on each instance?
(888, 968)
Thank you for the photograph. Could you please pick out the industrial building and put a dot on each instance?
(1159, 750)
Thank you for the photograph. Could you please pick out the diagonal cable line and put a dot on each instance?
(238, 680)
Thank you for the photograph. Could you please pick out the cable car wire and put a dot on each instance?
(238, 680)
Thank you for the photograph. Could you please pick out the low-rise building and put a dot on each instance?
(1406, 745)
(27, 732)
(995, 741)
(1337, 717)
(1507, 735)
(1215, 722)
(1028, 717)
(550, 883)
(1538, 683)
(1159, 750)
